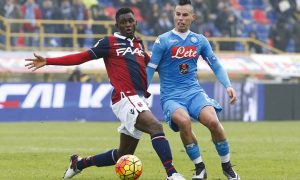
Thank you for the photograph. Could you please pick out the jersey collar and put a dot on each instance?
(118, 35)
(181, 35)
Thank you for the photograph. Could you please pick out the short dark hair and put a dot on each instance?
(184, 2)
(121, 11)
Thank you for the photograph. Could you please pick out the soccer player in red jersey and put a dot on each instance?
(125, 61)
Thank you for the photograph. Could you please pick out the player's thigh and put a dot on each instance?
(169, 109)
(148, 123)
(127, 145)
(182, 119)
(127, 110)
(199, 101)
(209, 118)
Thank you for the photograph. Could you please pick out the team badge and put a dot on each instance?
(184, 68)
(157, 41)
(194, 39)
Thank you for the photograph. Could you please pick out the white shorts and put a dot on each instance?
(127, 111)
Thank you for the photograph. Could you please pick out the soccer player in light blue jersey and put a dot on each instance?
(174, 56)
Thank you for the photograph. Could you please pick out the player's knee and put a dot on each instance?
(156, 127)
(214, 125)
(185, 125)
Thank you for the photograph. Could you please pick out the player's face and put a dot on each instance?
(183, 18)
(126, 24)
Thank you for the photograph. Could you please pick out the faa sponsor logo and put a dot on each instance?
(132, 51)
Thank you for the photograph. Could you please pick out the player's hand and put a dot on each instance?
(36, 63)
(232, 94)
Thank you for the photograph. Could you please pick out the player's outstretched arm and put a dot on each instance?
(232, 94)
(35, 63)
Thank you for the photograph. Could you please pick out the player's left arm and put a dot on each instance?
(214, 63)
(72, 59)
(157, 53)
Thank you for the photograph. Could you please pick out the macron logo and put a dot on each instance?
(184, 52)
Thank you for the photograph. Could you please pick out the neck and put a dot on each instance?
(127, 36)
(181, 31)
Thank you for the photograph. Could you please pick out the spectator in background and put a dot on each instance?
(21, 2)
(226, 20)
(296, 35)
(89, 3)
(78, 76)
(169, 8)
(152, 16)
(98, 14)
(2, 10)
(279, 35)
(75, 76)
(13, 11)
(226, 24)
(201, 10)
(198, 24)
(81, 14)
(253, 47)
(212, 5)
(2, 38)
(284, 8)
(163, 24)
(49, 13)
(66, 13)
(31, 12)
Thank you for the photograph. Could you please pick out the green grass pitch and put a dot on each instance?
(40, 150)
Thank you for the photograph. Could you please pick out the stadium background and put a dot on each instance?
(257, 41)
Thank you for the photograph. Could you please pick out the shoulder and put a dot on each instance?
(104, 41)
(163, 38)
(198, 36)
(138, 39)
(165, 35)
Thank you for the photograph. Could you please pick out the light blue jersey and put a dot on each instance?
(175, 56)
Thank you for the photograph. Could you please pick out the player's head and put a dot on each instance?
(183, 15)
(126, 22)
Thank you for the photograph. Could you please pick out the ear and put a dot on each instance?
(194, 16)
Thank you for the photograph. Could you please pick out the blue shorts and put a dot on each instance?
(193, 105)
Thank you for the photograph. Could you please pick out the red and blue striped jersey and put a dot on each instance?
(125, 61)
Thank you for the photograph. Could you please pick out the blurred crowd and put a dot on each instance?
(276, 22)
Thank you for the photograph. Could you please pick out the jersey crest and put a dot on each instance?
(183, 68)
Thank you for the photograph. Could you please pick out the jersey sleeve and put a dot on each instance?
(157, 54)
(101, 49)
(71, 59)
(214, 63)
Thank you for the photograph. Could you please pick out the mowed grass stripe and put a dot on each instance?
(40, 150)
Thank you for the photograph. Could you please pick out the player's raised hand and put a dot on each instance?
(232, 94)
(36, 63)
